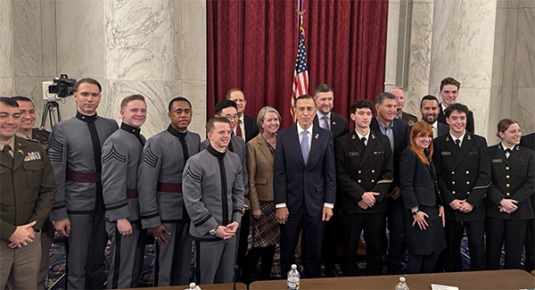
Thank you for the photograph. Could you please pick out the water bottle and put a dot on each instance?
(192, 286)
(293, 278)
(401, 285)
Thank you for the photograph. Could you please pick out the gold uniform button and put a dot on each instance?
(373, 180)
(468, 192)
(453, 192)
(359, 181)
(508, 194)
(359, 172)
(468, 182)
(467, 172)
(506, 167)
(373, 171)
(507, 176)
(453, 182)
(507, 185)
(453, 172)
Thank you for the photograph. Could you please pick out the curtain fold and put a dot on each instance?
(252, 45)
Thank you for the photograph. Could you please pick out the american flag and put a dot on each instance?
(300, 86)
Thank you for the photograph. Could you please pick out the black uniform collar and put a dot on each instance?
(86, 118)
(130, 129)
(175, 132)
(219, 155)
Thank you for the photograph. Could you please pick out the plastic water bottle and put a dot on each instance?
(401, 285)
(293, 278)
(192, 286)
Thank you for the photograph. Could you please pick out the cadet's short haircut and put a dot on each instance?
(455, 107)
(178, 99)
(88, 81)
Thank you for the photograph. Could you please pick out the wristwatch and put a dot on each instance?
(415, 212)
(213, 231)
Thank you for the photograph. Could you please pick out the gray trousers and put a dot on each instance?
(85, 251)
(172, 263)
(215, 261)
(126, 253)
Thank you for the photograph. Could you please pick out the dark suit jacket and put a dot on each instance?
(260, 167)
(251, 129)
(401, 140)
(295, 182)
(418, 181)
(339, 125)
(513, 178)
(442, 129)
(362, 168)
(463, 173)
(528, 141)
(469, 119)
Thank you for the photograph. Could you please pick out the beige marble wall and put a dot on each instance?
(462, 47)
(6, 48)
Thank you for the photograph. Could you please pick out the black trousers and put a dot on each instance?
(530, 246)
(454, 234)
(372, 224)
(510, 232)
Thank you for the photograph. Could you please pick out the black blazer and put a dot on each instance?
(362, 168)
(469, 119)
(251, 129)
(442, 129)
(339, 125)
(295, 182)
(463, 173)
(513, 178)
(401, 140)
(528, 141)
(418, 181)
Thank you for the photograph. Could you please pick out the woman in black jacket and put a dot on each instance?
(424, 214)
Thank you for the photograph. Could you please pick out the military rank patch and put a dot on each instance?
(32, 156)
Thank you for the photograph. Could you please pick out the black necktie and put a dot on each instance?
(458, 142)
(6, 152)
(363, 139)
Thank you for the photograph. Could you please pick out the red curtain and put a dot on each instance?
(252, 45)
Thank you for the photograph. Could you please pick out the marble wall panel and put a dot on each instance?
(420, 47)
(48, 38)
(525, 3)
(6, 86)
(464, 41)
(391, 44)
(498, 61)
(80, 38)
(177, 41)
(157, 96)
(523, 109)
(495, 113)
(505, 99)
(525, 48)
(6, 46)
(510, 47)
(139, 42)
(478, 101)
(195, 92)
(27, 46)
(193, 39)
(413, 96)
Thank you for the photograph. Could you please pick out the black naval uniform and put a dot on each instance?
(512, 178)
(162, 201)
(463, 173)
(528, 141)
(361, 168)
(75, 153)
(120, 161)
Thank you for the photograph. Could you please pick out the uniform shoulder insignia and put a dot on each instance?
(147, 156)
(114, 155)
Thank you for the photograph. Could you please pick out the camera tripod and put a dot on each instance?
(49, 108)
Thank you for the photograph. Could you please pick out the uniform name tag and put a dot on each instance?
(354, 153)
(32, 156)
(445, 153)
(496, 160)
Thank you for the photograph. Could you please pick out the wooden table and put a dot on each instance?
(501, 279)
(224, 286)
(533, 272)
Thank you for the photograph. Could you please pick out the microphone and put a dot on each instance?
(236, 271)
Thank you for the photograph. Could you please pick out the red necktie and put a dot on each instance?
(238, 129)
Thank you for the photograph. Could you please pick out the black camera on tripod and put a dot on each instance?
(63, 86)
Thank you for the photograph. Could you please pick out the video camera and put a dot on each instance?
(63, 86)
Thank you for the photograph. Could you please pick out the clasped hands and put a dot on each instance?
(22, 236)
(368, 199)
(461, 205)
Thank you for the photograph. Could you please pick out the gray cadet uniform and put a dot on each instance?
(120, 161)
(214, 183)
(74, 149)
(161, 201)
